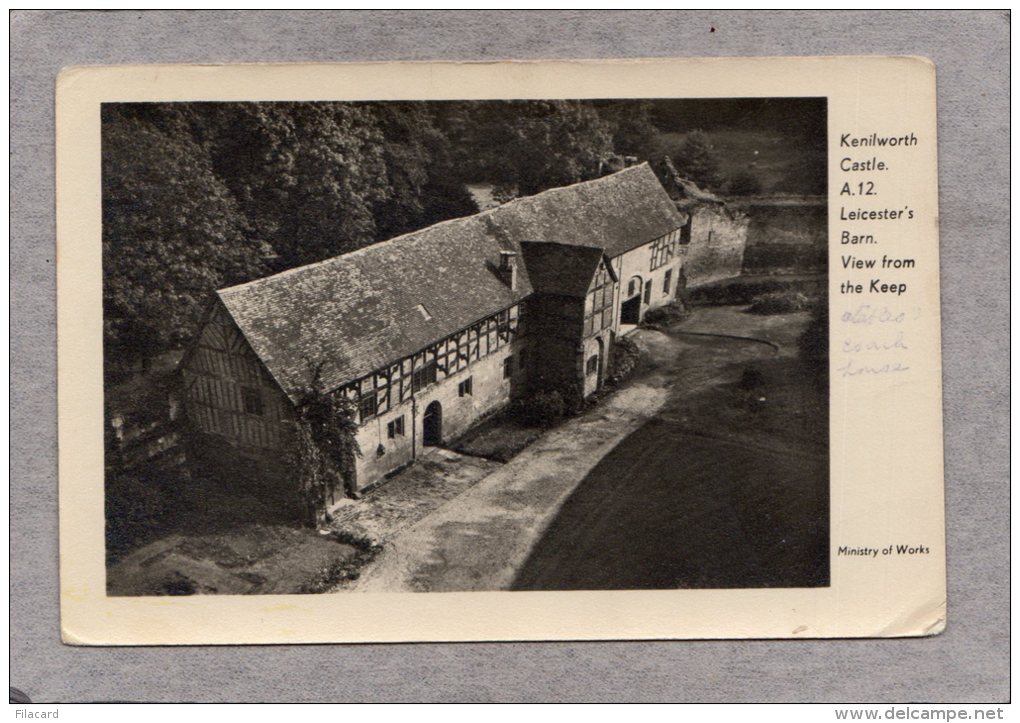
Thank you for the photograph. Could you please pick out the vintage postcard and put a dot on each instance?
(499, 351)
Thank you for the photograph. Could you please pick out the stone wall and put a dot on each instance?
(555, 325)
(599, 345)
(716, 249)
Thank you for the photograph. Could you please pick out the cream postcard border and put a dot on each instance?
(885, 431)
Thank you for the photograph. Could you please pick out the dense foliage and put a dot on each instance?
(326, 449)
(172, 231)
(199, 196)
(780, 302)
(541, 409)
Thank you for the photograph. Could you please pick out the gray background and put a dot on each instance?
(969, 662)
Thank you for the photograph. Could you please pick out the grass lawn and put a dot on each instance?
(499, 438)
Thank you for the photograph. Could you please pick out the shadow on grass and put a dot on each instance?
(728, 488)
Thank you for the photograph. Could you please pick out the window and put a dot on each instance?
(666, 281)
(593, 364)
(424, 376)
(367, 406)
(464, 388)
(685, 232)
(252, 400)
(632, 287)
(508, 367)
(395, 428)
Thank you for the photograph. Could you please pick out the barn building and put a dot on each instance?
(431, 331)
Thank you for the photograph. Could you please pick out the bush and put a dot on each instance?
(326, 448)
(735, 292)
(744, 183)
(622, 360)
(667, 315)
(752, 389)
(780, 302)
(137, 511)
(542, 409)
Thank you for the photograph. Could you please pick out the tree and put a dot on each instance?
(813, 345)
(556, 143)
(633, 131)
(697, 159)
(744, 183)
(424, 185)
(307, 175)
(172, 233)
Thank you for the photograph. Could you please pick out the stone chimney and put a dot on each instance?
(508, 268)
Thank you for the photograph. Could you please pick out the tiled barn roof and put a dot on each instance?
(355, 313)
(616, 212)
(561, 269)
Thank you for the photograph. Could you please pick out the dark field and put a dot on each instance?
(726, 488)
(736, 517)
(779, 165)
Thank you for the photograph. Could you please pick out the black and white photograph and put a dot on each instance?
(436, 346)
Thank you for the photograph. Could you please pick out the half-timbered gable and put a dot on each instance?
(428, 332)
(600, 302)
(227, 390)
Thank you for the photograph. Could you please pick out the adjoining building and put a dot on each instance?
(715, 235)
(429, 332)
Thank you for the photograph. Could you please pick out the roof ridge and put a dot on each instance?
(595, 246)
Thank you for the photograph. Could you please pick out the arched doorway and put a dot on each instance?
(602, 363)
(630, 310)
(432, 425)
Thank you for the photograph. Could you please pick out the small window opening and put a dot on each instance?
(252, 399)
